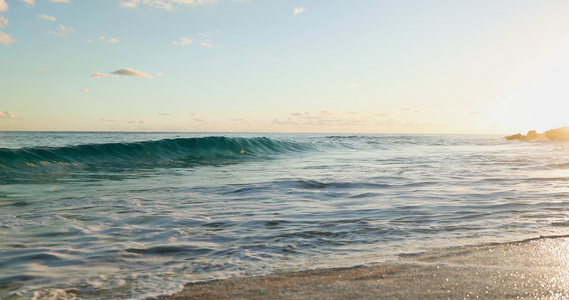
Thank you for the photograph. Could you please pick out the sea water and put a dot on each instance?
(137, 215)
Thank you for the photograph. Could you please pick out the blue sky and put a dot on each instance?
(284, 66)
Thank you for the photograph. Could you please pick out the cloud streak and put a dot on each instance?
(142, 122)
(109, 120)
(6, 39)
(7, 115)
(122, 72)
(298, 10)
(163, 4)
(183, 42)
(47, 18)
(62, 31)
(4, 22)
(3, 5)
(325, 120)
(30, 3)
(131, 72)
(101, 75)
(111, 40)
(210, 44)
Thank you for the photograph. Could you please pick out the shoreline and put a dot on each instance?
(529, 269)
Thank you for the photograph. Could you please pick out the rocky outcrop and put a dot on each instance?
(558, 134)
(532, 135)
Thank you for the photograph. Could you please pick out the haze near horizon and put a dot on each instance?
(275, 66)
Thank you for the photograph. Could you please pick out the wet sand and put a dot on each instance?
(532, 269)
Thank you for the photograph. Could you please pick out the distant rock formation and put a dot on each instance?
(559, 134)
(532, 135)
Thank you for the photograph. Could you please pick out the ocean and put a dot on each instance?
(97, 215)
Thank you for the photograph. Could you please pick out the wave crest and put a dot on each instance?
(168, 152)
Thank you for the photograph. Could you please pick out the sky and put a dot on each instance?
(361, 66)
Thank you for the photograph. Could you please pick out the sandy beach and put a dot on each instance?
(531, 269)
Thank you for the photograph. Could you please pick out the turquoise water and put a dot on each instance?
(137, 215)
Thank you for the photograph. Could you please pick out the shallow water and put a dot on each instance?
(137, 215)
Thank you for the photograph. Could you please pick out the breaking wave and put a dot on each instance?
(168, 152)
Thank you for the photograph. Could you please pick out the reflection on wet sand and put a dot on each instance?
(532, 269)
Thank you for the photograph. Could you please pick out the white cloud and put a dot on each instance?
(164, 4)
(209, 33)
(327, 113)
(61, 1)
(101, 75)
(298, 10)
(122, 72)
(4, 22)
(3, 5)
(210, 44)
(324, 119)
(62, 31)
(7, 115)
(46, 17)
(109, 120)
(29, 3)
(6, 39)
(131, 72)
(354, 85)
(183, 41)
(140, 122)
(86, 91)
(102, 38)
(131, 4)
(111, 40)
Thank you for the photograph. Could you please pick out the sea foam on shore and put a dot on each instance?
(532, 269)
